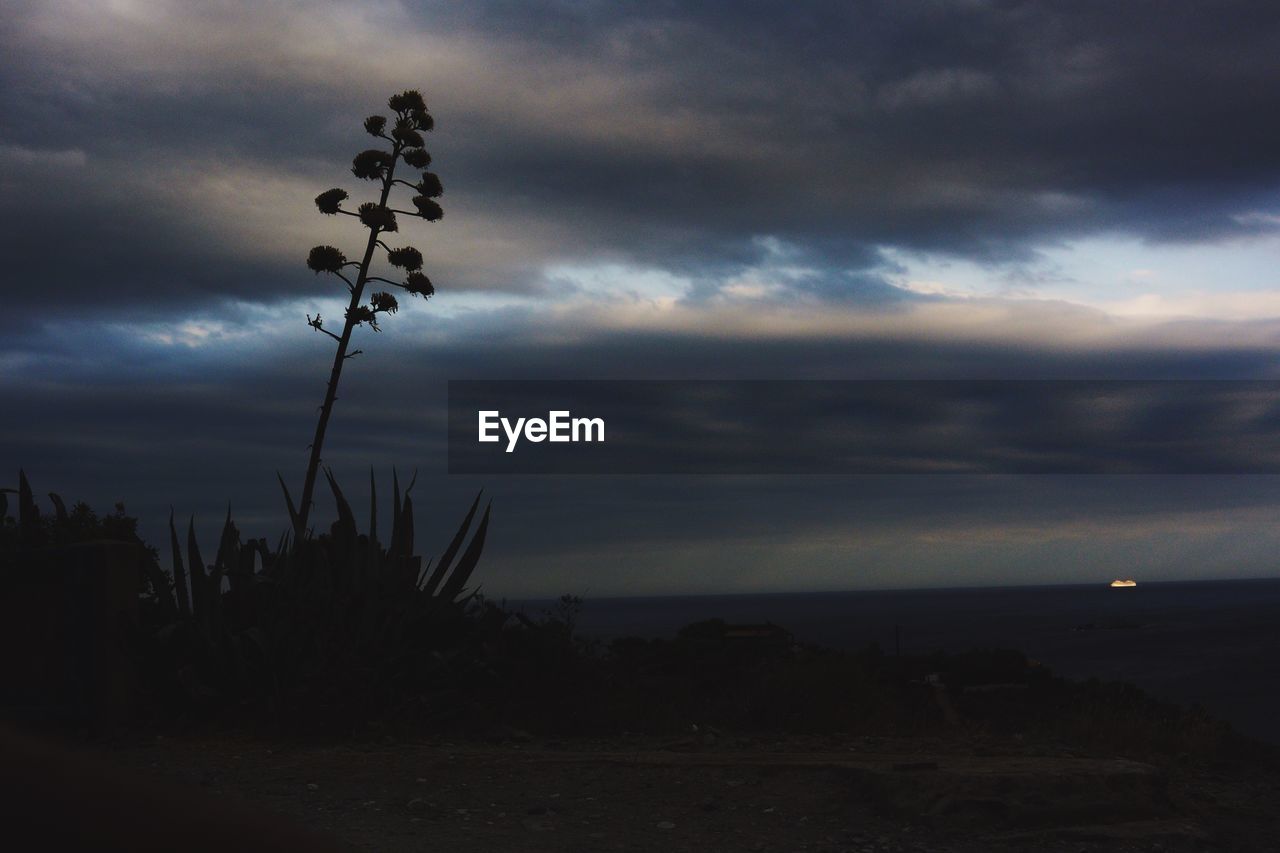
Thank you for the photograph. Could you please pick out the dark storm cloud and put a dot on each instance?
(965, 125)
(665, 135)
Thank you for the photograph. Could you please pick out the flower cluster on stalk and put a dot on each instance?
(326, 259)
(419, 285)
(404, 132)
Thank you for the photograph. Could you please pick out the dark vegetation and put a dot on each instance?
(320, 634)
(707, 681)
(77, 525)
(341, 634)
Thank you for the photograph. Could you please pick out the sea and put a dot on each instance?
(1211, 643)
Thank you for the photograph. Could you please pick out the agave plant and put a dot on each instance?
(266, 619)
(402, 136)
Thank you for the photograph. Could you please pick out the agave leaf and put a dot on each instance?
(434, 580)
(214, 599)
(346, 518)
(470, 559)
(24, 491)
(395, 495)
(470, 596)
(373, 511)
(226, 564)
(446, 559)
(393, 547)
(406, 522)
(288, 502)
(59, 508)
(276, 565)
(401, 532)
(28, 512)
(228, 544)
(179, 573)
(421, 579)
(199, 580)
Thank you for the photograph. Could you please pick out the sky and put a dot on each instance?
(710, 190)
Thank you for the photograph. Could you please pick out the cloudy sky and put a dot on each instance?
(963, 189)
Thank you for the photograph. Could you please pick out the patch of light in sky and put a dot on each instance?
(449, 306)
(618, 280)
(1221, 279)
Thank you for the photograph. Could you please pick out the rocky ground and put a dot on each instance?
(713, 792)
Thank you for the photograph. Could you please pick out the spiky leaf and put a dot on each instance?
(288, 501)
(228, 543)
(393, 548)
(346, 518)
(446, 559)
(373, 509)
(179, 573)
(199, 580)
(28, 513)
(470, 559)
(406, 520)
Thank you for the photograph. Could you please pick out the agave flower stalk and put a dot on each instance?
(404, 134)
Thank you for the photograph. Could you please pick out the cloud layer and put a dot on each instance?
(165, 155)
(644, 190)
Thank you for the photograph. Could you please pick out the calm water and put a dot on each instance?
(1213, 643)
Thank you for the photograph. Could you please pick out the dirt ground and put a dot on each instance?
(720, 793)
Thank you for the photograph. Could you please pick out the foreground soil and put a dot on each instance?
(715, 792)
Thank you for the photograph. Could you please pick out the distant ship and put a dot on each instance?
(1123, 583)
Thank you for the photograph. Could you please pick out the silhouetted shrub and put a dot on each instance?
(328, 632)
(77, 525)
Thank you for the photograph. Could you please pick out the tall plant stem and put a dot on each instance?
(340, 358)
